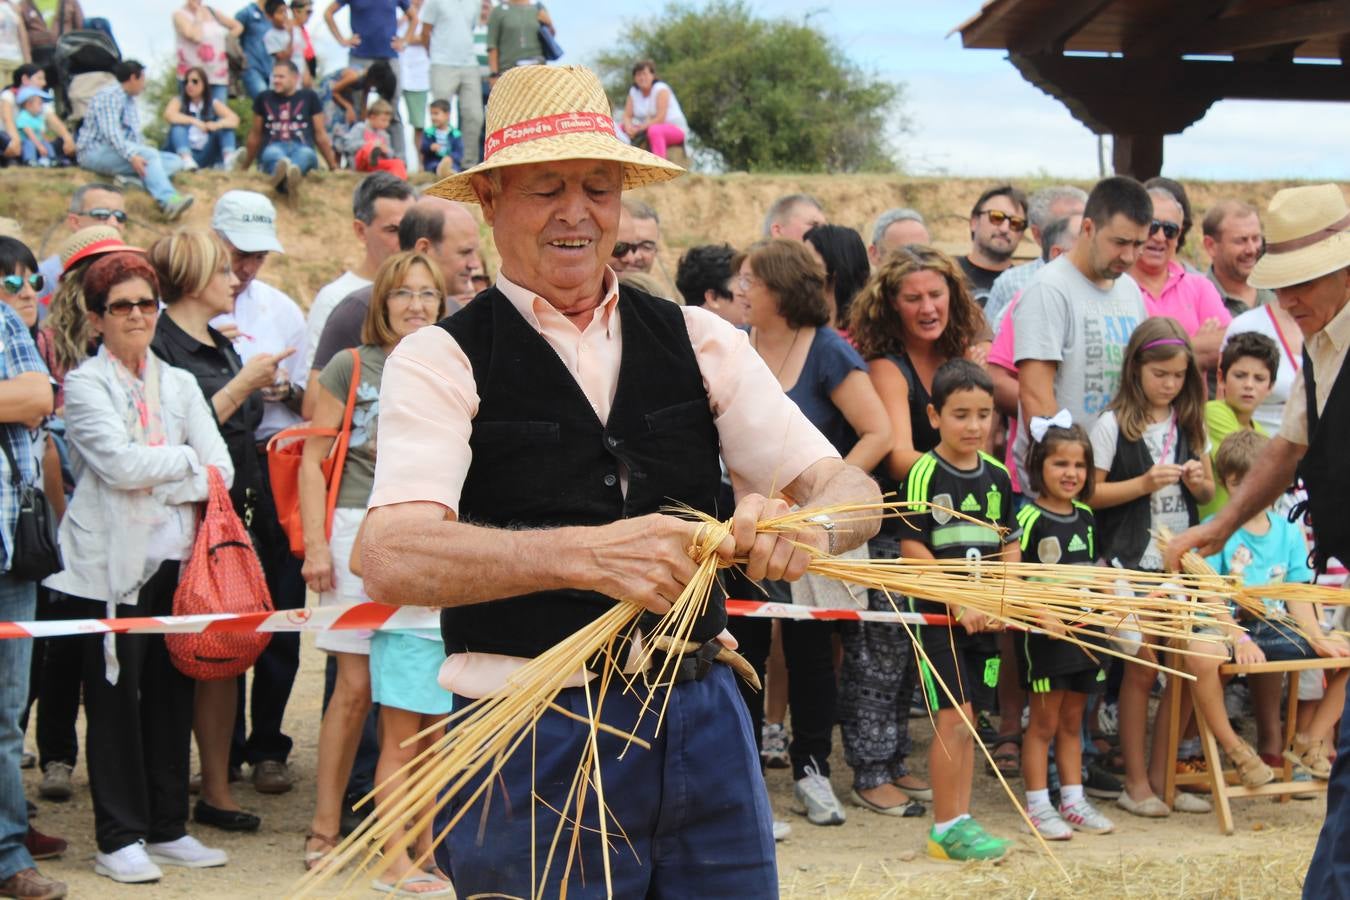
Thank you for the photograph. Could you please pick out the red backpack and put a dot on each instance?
(222, 575)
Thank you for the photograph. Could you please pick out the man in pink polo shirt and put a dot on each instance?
(538, 434)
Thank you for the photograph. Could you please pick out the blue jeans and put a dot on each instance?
(219, 144)
(159, 167)
(18, 603)
(1329, 871)
(300, 154)
(694, 806)
(255, 83)
(28, 152)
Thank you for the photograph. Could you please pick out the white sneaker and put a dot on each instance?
(781, 830)
(188, 163)
(232, 159)
(129, 865)
(816, 799)
(187, 852)
(1049, 824)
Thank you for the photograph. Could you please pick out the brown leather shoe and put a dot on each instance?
(272, 777)
(43, 846)
(30, 884)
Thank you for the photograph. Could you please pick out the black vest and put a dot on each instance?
(1324, 471)
(542, 459)
(925, 438)
(1124, 529)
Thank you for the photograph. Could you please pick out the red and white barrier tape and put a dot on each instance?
(379, 617)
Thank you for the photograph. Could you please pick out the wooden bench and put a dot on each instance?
(1223, 784)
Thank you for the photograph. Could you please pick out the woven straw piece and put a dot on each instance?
(540, 114)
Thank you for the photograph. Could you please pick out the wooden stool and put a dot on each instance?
(1223, 784)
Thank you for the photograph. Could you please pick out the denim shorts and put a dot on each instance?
(1280, 643)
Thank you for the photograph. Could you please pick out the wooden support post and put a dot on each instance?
(1140, 155)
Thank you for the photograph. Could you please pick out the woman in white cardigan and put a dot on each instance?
(141, 437)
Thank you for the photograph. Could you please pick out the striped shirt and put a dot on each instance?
(984, 492)
(18, 355)
(112, 121)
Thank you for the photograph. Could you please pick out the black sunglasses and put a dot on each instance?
(147, 307)
(622, 248)
(1169, 229)
(14, 283)
(998, 217)
(104, 215)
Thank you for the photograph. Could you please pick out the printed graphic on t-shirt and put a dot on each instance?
(1104, 341)
(285, 119)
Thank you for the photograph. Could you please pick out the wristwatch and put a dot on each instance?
(826, 523)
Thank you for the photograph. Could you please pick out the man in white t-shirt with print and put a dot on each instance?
(378, 205)
(1073, 321)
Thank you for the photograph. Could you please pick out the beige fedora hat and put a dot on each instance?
(1307, 236)
(548, 113)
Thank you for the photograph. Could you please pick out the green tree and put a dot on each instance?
(764, 94)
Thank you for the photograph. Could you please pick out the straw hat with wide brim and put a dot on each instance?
(539, 114)
(1307, 236)
(95, 240)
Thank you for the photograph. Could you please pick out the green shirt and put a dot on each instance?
(513, 31)
(358, 473)
(1220, 421)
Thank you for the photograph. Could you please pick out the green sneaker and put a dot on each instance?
(966, 840)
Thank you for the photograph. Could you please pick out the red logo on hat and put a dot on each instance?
(545, 127)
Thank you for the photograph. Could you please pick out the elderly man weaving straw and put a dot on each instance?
(1307, 263)
(537, 434)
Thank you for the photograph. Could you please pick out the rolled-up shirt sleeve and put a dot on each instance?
(428, 400)
(1294, 425)
(766, 439)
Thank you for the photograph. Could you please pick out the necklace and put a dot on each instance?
(786, 356)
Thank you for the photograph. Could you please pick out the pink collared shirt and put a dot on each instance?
(428, 401)
(1188, 297)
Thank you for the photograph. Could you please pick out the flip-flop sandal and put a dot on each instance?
(401, 889)
(314, 857)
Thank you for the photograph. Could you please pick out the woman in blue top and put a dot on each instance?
(912, 316)
(789, 328)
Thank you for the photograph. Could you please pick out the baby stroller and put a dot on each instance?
(84, 61)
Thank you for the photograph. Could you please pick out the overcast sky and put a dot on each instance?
(971, 112)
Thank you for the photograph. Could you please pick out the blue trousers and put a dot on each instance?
(694, 807)
(18, 600)
(298, 153)
(1329, 872)
(219, 144)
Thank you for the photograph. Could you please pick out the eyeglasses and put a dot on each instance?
(121, 308)
(1169, 229)
(104, 215)
(14, 283)
(623, 248)
(427, 296)
(744, 282)
(998, 217)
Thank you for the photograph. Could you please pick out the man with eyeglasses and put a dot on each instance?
(95, 203)
(1045, 207)
(639, 232)
(997, 222)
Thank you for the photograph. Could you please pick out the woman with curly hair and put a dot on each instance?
(915, 314)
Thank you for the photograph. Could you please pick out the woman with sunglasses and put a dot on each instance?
(201, 128)
(1171, 290)
(200, 33)
(142, 437)
(398, 669)
(196, 284)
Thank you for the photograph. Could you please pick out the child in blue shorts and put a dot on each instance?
(1270, 549)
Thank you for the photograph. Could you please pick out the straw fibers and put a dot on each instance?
(1082, 604)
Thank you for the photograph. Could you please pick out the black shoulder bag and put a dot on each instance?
(35, 553)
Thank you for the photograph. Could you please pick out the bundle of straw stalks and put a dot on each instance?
(1078, 603)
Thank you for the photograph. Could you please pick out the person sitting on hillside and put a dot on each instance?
(442, 146)
(201, 128)
(30, 76)
(651, 114)
(370, 145)
(110, 141)
(288, 126)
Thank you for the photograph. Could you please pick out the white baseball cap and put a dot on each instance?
(248, 220)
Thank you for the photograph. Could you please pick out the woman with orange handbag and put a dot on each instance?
(409, 292)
